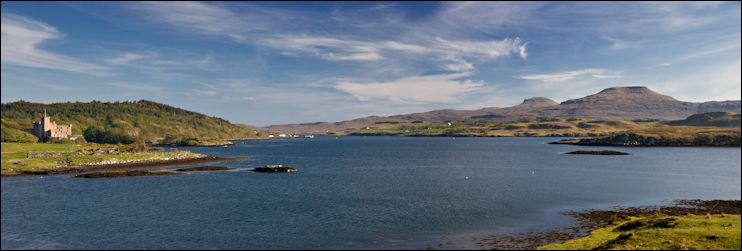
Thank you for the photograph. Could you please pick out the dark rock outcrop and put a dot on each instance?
(633, 139)
(275, 169)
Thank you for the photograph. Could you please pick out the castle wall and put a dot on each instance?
(45, 129)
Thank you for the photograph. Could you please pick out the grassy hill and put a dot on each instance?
(670, 136)
(121, 122)
(723, 119)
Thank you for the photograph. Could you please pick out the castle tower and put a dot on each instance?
(46, 122)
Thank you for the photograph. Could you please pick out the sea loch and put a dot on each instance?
(357, 192)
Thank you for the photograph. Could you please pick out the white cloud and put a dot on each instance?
(569, 75)
(452, 55)
(136, 87)
(487, 16)
(483, 49)
(721, 81)
(247, 28)
(21, 37)
(334, 49)
(127, 58)
(196, 16)
(443, 88)
(204, 92)
(152, 61)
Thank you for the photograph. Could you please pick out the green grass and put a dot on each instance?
(680, 232)
(530, 127)
(672, 136)
(14, 156)
(141, 121)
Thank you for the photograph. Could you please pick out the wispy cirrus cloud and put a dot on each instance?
(201, 17)
(569, 75)
(452, 55)
(443, 88)
(136, 87)
(128, 57)
(155, 62)
(455, 54)
(21, 37)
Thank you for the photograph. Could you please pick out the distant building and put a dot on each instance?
(46, 129)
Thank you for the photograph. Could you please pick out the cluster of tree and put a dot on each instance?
(107, 136)
(121, 122)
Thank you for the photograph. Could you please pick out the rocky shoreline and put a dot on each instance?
(586, 221)
(128, 165)
(634, 139)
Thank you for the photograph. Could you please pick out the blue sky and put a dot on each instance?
(264, 63)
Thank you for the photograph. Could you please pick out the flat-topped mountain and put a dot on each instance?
(636, 102)
(537, 102)
(633, 102)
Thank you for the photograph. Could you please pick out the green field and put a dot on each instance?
(15, 157)
(670, 136)
(687, 232)
(524, 127)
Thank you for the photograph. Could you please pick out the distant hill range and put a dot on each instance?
(718, 119)
(635, 102)
(121, 122)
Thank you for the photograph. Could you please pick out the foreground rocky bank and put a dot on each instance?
(151, 163)
(684, 224)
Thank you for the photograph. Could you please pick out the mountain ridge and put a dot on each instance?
(629, 102)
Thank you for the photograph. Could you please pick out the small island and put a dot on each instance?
(600, 152)
(274, 169)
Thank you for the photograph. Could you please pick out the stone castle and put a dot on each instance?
(46, 129)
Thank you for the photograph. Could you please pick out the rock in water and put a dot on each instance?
(275, 169)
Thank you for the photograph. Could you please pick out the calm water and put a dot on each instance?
(357, 192)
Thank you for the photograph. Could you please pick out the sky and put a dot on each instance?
(263, 63)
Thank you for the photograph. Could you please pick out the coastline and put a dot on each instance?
(128, 165)
(585, 221)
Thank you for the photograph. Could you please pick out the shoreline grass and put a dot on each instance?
(53, 157)
(683, 232)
